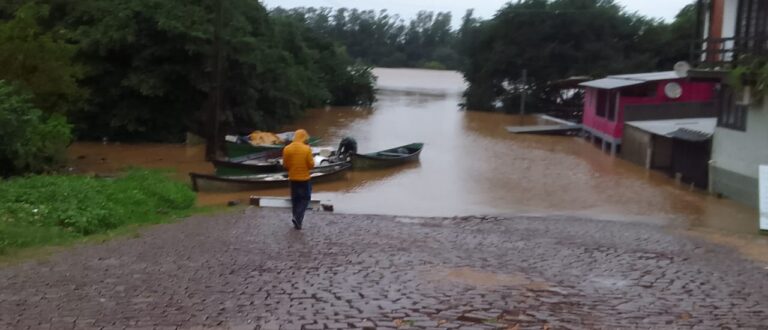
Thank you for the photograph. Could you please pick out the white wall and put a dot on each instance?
(729, 18)
(742, 152)
(705, 35)
(729, 24)
(707, 17)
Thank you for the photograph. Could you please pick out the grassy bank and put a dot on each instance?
(56, 209)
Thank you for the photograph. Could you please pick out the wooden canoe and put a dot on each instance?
(235, 149)
(388, 157)
(263, 162)
(249, 167)
(265, 181)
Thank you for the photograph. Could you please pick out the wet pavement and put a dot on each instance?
(250, 270)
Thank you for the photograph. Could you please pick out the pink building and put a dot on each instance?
(611, 102)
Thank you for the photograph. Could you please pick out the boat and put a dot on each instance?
(267, 180)
(388, 157)
(235, 147)
(266, 162)
(257, 166)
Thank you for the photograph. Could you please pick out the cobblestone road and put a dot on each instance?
(252, 271)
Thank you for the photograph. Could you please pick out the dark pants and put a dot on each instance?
(301, 194)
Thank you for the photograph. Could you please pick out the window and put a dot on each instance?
(602, 99)
(645, 91)
(606, 104)
(732, 115)
(612, 102)
(752, 26)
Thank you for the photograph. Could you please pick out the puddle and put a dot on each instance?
(753, 247)
(474, 277)
(409, 220)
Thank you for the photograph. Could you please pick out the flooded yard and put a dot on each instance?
(470, 164)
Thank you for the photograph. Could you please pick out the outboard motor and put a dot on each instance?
(347, 147)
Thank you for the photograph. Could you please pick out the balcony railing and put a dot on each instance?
(721, 52)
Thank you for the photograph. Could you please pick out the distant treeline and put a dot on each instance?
(383, 39)
(551, 39)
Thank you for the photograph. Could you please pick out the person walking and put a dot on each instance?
(298, 160)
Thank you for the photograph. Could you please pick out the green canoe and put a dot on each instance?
(264, 181)
(265, 162)
(255, 166)
(234, 149)
(388, 157)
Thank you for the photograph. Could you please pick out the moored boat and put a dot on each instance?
(388, 157)
(267, 162)
(267, 180)
(249, 167)
(237, 148)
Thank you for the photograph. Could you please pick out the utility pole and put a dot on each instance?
(213, 146)
(523, 85)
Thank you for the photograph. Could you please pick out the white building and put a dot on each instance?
(734, 32)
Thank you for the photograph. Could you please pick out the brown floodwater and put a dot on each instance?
(469, 165)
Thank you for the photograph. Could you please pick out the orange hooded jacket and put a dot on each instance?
(297, 157)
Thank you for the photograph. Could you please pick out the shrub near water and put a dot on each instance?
(49, 209)
(30, 141)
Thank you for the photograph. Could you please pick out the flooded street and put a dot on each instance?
(470, 164)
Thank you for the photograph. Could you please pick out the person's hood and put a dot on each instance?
(301, 136)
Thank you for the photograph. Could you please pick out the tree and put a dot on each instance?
(40, 61)
(682, 33)
(32, 142)
(382, 39)
(553, 40)
(150, 65)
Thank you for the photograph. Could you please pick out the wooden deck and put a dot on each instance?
(545, 129)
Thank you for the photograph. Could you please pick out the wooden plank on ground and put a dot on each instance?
(544, 129)
(283, 202)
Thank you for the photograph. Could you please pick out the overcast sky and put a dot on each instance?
(664, 9)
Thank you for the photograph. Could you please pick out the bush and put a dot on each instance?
(433, 65)
(40, 60)
(354, 86)
(46, 209)
(30, 142)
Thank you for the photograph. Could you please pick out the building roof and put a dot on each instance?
(690, 135)
(650, 76)
(624, 80)
(689, 129)
(610, 83)
(570, 82)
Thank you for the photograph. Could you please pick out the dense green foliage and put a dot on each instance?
(382, 39)
(148, 65)
(557, 39)
(39, 61)
(153, 65)
(750, 71)
(144, 69)
(51, 209)
(32, 141)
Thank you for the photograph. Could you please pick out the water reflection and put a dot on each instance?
(361, 179)
(87, 157)
(328, 122)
